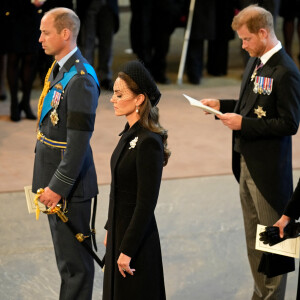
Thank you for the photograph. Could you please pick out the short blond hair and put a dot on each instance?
(255, 18)
(65, 18)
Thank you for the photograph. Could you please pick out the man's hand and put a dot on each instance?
(231, 120)
(213, 103)
(49, 198)
(123, 264)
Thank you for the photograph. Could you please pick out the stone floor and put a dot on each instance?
(202, 240)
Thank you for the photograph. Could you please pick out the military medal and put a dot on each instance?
(270, 86)
(255, 70)
(59, 86)
(54, 117)
(54, 103)
(254, 74)
(255, 89)
(263, 85)
(260, 112)
(266, 80)
(260, 85)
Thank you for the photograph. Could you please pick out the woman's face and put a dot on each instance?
(124, 100)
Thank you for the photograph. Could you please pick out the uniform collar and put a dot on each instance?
(66, 57)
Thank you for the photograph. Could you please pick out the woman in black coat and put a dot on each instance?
(291, 213)
(133, 262)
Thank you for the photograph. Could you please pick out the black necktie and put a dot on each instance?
(55, 70)
(259, 64)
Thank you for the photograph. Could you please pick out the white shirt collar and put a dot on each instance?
(65, 58)
(264, 58)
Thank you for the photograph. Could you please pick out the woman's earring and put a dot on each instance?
(137, 109)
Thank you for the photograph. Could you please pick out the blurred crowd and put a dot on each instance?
(152, 23)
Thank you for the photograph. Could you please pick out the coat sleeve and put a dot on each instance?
(82, 99)
(149, 172)
(227, 106)
(292, 209)
(287, 103)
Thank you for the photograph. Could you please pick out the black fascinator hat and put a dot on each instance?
(142, 77)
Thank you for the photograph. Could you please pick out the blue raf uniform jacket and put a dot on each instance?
(70, 172)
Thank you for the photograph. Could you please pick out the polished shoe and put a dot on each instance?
(106, 84)
(28, 112)
(217, 73)
(15, 114)
(194, 80)
(3, 97)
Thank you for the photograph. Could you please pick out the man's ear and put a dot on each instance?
(140, 99)
(66, 33)
(263, 33)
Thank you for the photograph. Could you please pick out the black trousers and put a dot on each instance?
(151, 27)
(75, 265)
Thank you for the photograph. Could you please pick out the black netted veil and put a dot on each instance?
(142, 77)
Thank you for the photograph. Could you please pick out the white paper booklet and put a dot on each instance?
(206, 108)
(288, 247)
(30, 200)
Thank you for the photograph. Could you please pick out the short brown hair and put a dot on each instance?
(65, 18)
(255, 18)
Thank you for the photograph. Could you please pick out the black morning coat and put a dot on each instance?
(266, 142)
(136, 172)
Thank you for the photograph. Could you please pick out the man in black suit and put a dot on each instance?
(262, 120)
(64, 165)
(99, 19)
(151, 26)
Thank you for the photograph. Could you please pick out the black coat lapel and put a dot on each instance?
(247, 74)
(116, 154)
(250, 101)
(246, 79)
(124, 141)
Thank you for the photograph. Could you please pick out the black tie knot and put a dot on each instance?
(259, 64)
(55, 70)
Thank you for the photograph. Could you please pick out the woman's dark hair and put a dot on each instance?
(149, 116)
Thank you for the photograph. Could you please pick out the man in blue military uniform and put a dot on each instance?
(64, 165)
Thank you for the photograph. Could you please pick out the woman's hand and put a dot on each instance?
(123, 264)
(105, 239)
(281, 223)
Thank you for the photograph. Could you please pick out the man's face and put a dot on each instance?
(52, 42)
(253, 43)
